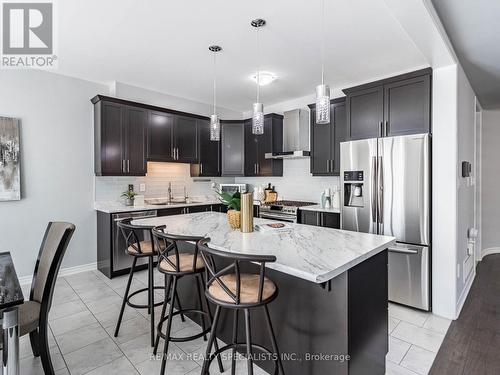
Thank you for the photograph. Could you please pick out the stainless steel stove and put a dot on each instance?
(282, 210)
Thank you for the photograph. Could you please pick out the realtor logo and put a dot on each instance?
(28, 35)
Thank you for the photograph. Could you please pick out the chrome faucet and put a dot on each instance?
(169, 191)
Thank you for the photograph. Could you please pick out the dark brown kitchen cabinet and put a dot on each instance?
(320, 219)
(172, 137)
(119, 139)
(256, 147)
(233, 148)
(209, 160)
(394, 106)
(407, 106)
(161, 136)
(365, 113)
(186, 139)
(326, 138)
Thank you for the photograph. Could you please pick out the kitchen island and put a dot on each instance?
(330, 316)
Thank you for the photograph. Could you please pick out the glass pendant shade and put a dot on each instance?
(322, 104)
(258, 119)
(214, 128)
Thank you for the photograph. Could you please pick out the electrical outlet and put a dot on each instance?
(470, 248)
(142, 187)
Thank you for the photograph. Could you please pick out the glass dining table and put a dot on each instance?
(11, 296)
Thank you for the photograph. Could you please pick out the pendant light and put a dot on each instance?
(214, 119)
(258, 107)
(322, 91)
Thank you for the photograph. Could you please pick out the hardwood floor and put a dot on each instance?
(472, 344)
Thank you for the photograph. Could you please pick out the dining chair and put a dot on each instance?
(34, 314)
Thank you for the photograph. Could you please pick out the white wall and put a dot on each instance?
(129, 92)
(56, 163)
(444, 190)
(466, 112)
(490, 215)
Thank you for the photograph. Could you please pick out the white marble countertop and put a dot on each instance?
(312, 253)
(115, 207)
(318, 207)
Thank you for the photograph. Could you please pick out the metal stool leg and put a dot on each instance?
(219, 360)
(204, 369)
(169, 326)
(273, 339)
(249, 342)
(235, 340)
(125, 296)
(202, 317)
(179, 306)
(163, 309)
(151, 300)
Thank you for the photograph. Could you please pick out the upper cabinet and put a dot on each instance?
(172, 137)
(209, 161)
(256, 147)
(395, 106)
(161, 136)
(233, 145)
(120, 132)
(326, 138)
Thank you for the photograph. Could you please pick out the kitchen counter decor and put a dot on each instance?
(233, 203)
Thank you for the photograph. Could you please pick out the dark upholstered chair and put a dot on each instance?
(34, 314)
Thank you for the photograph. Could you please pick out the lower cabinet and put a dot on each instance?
(320, 219)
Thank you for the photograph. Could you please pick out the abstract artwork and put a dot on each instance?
(10, 161)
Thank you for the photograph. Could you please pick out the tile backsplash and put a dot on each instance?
(156, 181)
(297, 182)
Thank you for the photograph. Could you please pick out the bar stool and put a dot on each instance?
(231, 289)
(139, 249)
(176, 266)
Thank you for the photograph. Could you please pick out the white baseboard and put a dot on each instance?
(63, 272)
(465, 293)
(490, 250)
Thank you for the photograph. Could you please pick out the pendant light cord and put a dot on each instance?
(323, 42)
(215, 85)
(258, 66)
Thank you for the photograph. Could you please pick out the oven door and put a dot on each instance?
(278, 216)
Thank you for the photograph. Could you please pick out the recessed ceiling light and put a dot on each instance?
(265, 78)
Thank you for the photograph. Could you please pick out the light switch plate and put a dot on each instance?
(142, 187)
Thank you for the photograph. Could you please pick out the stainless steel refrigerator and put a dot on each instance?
(386, 190)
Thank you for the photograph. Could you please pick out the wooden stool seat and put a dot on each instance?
(249, 288)
(186, 261)
(144, 248)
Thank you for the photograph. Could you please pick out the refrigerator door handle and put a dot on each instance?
(380, 198)
(374, 189)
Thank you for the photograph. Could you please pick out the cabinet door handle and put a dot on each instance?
(327, 165)
(258, 168)
(172, 153)
(387, 128)
(123, 166)
(381, 128)
(128, 166)
(177, 153)
(201, 168)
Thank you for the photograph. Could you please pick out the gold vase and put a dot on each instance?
(246, 212)
(234, 218)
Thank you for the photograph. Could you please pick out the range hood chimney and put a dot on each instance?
(295, 136)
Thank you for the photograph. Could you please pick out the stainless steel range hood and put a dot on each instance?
(295, 135)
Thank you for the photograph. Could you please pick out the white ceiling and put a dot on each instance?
(163, 45)
(474, 29)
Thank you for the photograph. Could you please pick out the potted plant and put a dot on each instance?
(129, 196)
(233, 203)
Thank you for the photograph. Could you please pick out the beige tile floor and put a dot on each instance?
(85, 310)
